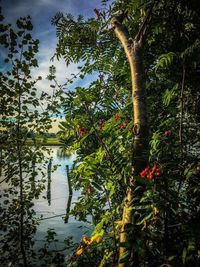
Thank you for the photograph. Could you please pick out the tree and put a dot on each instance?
(162, 207)
(23, 111)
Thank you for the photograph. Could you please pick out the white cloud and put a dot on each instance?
(39, 8)
(41, 11)
(62, 71)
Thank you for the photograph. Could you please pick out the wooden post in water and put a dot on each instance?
(70, 195)
(33, 175)
(69, 180)
(49, 181)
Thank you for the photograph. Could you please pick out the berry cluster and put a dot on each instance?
(117, 117)
(82, 131)
(123, 126)
(150, 173)
(101, 124)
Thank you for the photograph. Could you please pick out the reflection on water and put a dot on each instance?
(70, 195)
(54, 203)
(62, 154)
(49, 181)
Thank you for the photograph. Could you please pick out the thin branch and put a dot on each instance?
(142, 31)
(113, 166)
(181, 122)
(52, 217)
(3, 180)
(181, 115)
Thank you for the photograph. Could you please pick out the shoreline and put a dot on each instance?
(44, 142)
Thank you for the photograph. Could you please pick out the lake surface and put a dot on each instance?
(53, 209)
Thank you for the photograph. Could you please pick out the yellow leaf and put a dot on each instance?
(96, 238)
(155, 210)
(118, 224)
(86, 240)
(79, 251)
(145, 225)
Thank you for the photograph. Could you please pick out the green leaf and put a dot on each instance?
(184, 254)
(165, 60)
(170, 258)
(170, 95)
(191, 245)
(124, 257)
(96, 185)
(34, 62)
(146, 218)
(127, 245)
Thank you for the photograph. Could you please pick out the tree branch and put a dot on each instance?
(122, 33)
(142, 31)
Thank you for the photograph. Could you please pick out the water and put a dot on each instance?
(54, 209)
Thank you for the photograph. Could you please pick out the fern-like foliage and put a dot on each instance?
(165, 60)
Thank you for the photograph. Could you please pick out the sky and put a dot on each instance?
(41, 12)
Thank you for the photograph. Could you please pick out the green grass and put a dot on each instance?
(50, 141)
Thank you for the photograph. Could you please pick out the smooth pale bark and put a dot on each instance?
(133, 50)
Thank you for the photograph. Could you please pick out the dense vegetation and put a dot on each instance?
(135, 131)
(23, 112)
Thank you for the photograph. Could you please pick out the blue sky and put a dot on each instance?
(41, 12)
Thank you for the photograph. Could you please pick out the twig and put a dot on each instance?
(181, 122)
(181, 115)
(142, 31)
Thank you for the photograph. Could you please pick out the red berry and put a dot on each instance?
(82, 131)
(154, 169)
(117, 117)
(101, 124)
(158, 173)
(142, 174)
(98, 14)
(150, 176)
(123, 126)
(167, 133)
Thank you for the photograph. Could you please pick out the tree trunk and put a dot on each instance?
(133, 50)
